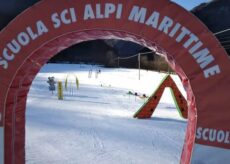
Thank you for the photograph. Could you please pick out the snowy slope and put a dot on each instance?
(94, 125)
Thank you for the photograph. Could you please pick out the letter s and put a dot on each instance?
(198, 133)
(55, 20)
(3, 63)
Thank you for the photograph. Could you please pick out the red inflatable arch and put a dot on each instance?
(48, 27)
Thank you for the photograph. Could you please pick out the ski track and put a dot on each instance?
(95, 124)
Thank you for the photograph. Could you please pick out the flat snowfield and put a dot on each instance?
(94, 124)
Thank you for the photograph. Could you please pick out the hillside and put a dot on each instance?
(215, 15)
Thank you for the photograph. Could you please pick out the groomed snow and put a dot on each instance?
(95, 124)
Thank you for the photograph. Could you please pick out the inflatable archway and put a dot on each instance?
(48, 27)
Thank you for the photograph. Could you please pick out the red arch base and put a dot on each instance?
(191, 50)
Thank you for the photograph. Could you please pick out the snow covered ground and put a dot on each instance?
(95, 124)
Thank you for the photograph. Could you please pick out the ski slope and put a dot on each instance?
(95, 124)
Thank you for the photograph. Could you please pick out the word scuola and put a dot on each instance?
(168, 26)
(22, 39)
(213, 135)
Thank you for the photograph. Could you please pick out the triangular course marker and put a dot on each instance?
(149, 107)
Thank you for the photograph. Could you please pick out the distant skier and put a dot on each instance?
(90, 73)
(97, 73)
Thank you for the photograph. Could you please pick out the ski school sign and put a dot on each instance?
(46, 28)
(138, 14)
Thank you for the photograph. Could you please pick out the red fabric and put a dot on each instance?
(208, 99)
